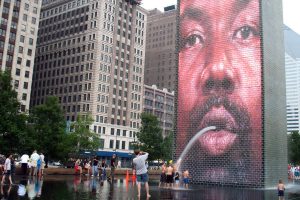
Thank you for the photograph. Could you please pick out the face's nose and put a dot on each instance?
(218, 76)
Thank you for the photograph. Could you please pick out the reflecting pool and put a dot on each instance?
(86, 188)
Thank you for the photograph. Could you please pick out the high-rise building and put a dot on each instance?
(90, 54)
(292, 71)
(160, 67)
(161, 104)
(18, 34)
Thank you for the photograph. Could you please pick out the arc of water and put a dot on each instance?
(190, 144)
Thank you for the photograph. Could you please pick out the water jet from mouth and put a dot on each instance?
(191, 143)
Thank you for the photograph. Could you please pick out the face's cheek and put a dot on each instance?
(189, 74)
(248, 65)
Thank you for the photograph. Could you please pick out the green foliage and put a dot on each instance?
(294, 147)
(150, 138)
(44, 129)
(168, 147)
(48, 128)
(12, 121)
(82, 137)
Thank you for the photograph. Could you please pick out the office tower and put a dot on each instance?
(161, 104)
(18, 33)
(90, 54)
(160, 67)
(292, 72)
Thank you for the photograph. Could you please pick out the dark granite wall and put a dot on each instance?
(275, 136)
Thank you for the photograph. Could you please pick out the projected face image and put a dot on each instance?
(219, 84)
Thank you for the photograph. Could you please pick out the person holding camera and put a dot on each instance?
(141, 170)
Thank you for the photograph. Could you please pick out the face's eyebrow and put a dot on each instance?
(241, 5)
(192, 13)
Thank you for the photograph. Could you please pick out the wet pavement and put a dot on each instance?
(88, 188)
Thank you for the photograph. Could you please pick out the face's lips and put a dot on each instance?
(232, 122)
(222, 139)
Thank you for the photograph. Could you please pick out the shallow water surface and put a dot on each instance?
(88, 188)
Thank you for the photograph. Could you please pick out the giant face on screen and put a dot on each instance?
(220, 84)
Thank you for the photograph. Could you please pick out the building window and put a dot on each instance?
(118, 144)
(28, 63)
(25, 86)
(22, 38)
(32, 30)
(21, 49)
(26, 74)
(111, 144)
(123, 144)
(26, 7)
(18, 72)
(16, 84)
(30, 41)
(23, 108)
(33, 20)
(34, 10)
(19, 61)
(29, 52)
(112, 131)
(24, 96)
(25, 17)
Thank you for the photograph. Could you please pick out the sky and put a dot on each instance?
(291, 10)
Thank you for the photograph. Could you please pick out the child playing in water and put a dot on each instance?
(176, 179)
(186, 177)
(280, 188)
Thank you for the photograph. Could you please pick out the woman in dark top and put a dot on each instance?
(95, 166)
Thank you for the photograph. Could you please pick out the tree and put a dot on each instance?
(82, 136)
(168, 147)
(48, 128)
(294, 147)
(12, 121)
(150, 137)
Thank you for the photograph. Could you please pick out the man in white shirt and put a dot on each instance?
(7, 170)
(24, 163)
(34, 158)
(141, 170)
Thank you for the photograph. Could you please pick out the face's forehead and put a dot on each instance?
(213, 6)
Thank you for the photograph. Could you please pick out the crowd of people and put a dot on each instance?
(171, 177)
(35, 164)
(95, 167)
(294, 172)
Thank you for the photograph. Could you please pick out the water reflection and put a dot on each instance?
(5, 191)
(87, 188)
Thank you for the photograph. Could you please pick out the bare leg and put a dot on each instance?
(35, 171)
(147, 189)
(9, 177)
(3, 179)
(139, 189)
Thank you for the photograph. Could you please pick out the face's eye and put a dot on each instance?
(192, 40)
(245, 33)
